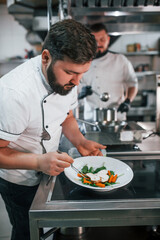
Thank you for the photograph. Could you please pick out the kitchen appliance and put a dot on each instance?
(120, 16)
(63, 204)
(74, 208)
(142, 173)
(140, 100)
(120, 133)
(105, 116)
(143, 108)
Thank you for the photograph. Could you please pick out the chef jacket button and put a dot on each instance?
(46, 126)
(45, 101)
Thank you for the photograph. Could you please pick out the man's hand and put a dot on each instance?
(90, 148)
(86, 91)
(124, 107)
(53, 163)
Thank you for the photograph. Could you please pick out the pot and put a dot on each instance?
(105, 116)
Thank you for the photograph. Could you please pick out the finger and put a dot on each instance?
(100, 153)
(65, 157)
(100, 146)
(103, 146)
(63, 164)
(94, 153)
(56, 172)
(59, 170)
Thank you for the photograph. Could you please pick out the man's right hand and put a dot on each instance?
(53, 163)
(124, 107)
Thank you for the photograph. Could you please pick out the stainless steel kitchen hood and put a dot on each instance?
(120, 16)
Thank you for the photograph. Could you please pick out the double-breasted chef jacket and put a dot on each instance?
(112, 73)
(31, 115)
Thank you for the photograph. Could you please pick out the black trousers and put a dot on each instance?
(18, 200)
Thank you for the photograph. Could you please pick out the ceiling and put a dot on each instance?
(120, 16)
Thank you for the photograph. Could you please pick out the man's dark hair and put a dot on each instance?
(72, 39)
(98, 27)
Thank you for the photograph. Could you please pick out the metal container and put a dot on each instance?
(98, 115)
(105, 116)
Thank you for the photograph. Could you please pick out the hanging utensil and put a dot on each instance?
(87, 91)
(103, 97)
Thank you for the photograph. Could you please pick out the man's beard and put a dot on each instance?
(56, 87)
(101, 54)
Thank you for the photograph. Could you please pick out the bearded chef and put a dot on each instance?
(109, 72)
(37, 99)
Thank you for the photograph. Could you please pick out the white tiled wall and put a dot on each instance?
(12, 36)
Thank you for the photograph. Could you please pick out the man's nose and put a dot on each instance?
(76, 79)
(98, 43)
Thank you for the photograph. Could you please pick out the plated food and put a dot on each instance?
(99, 177)
(122, 170)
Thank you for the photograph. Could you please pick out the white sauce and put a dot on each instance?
(101, 176)
(93, 177)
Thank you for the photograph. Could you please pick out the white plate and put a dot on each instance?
(120, 168)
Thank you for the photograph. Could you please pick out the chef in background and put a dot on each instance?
(109, 72)
(37, 99)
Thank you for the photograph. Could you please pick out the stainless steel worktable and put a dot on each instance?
(134, 205)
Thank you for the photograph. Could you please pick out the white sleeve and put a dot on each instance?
(129, 73)
(13, 114)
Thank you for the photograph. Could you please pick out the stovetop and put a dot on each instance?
(123, 148)
(145, 184)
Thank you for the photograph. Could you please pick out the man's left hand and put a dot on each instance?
(124, 107)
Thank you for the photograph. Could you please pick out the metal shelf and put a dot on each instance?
(146, 73)
(147, 53)
(15, 61)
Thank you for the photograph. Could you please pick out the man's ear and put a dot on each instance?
(46, 58)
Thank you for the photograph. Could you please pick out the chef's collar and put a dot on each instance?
(46, 84)
(101, 54)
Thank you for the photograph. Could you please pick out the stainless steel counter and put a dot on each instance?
(117, 209)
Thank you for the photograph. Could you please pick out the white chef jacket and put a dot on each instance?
(29, 113)
(111, 73)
